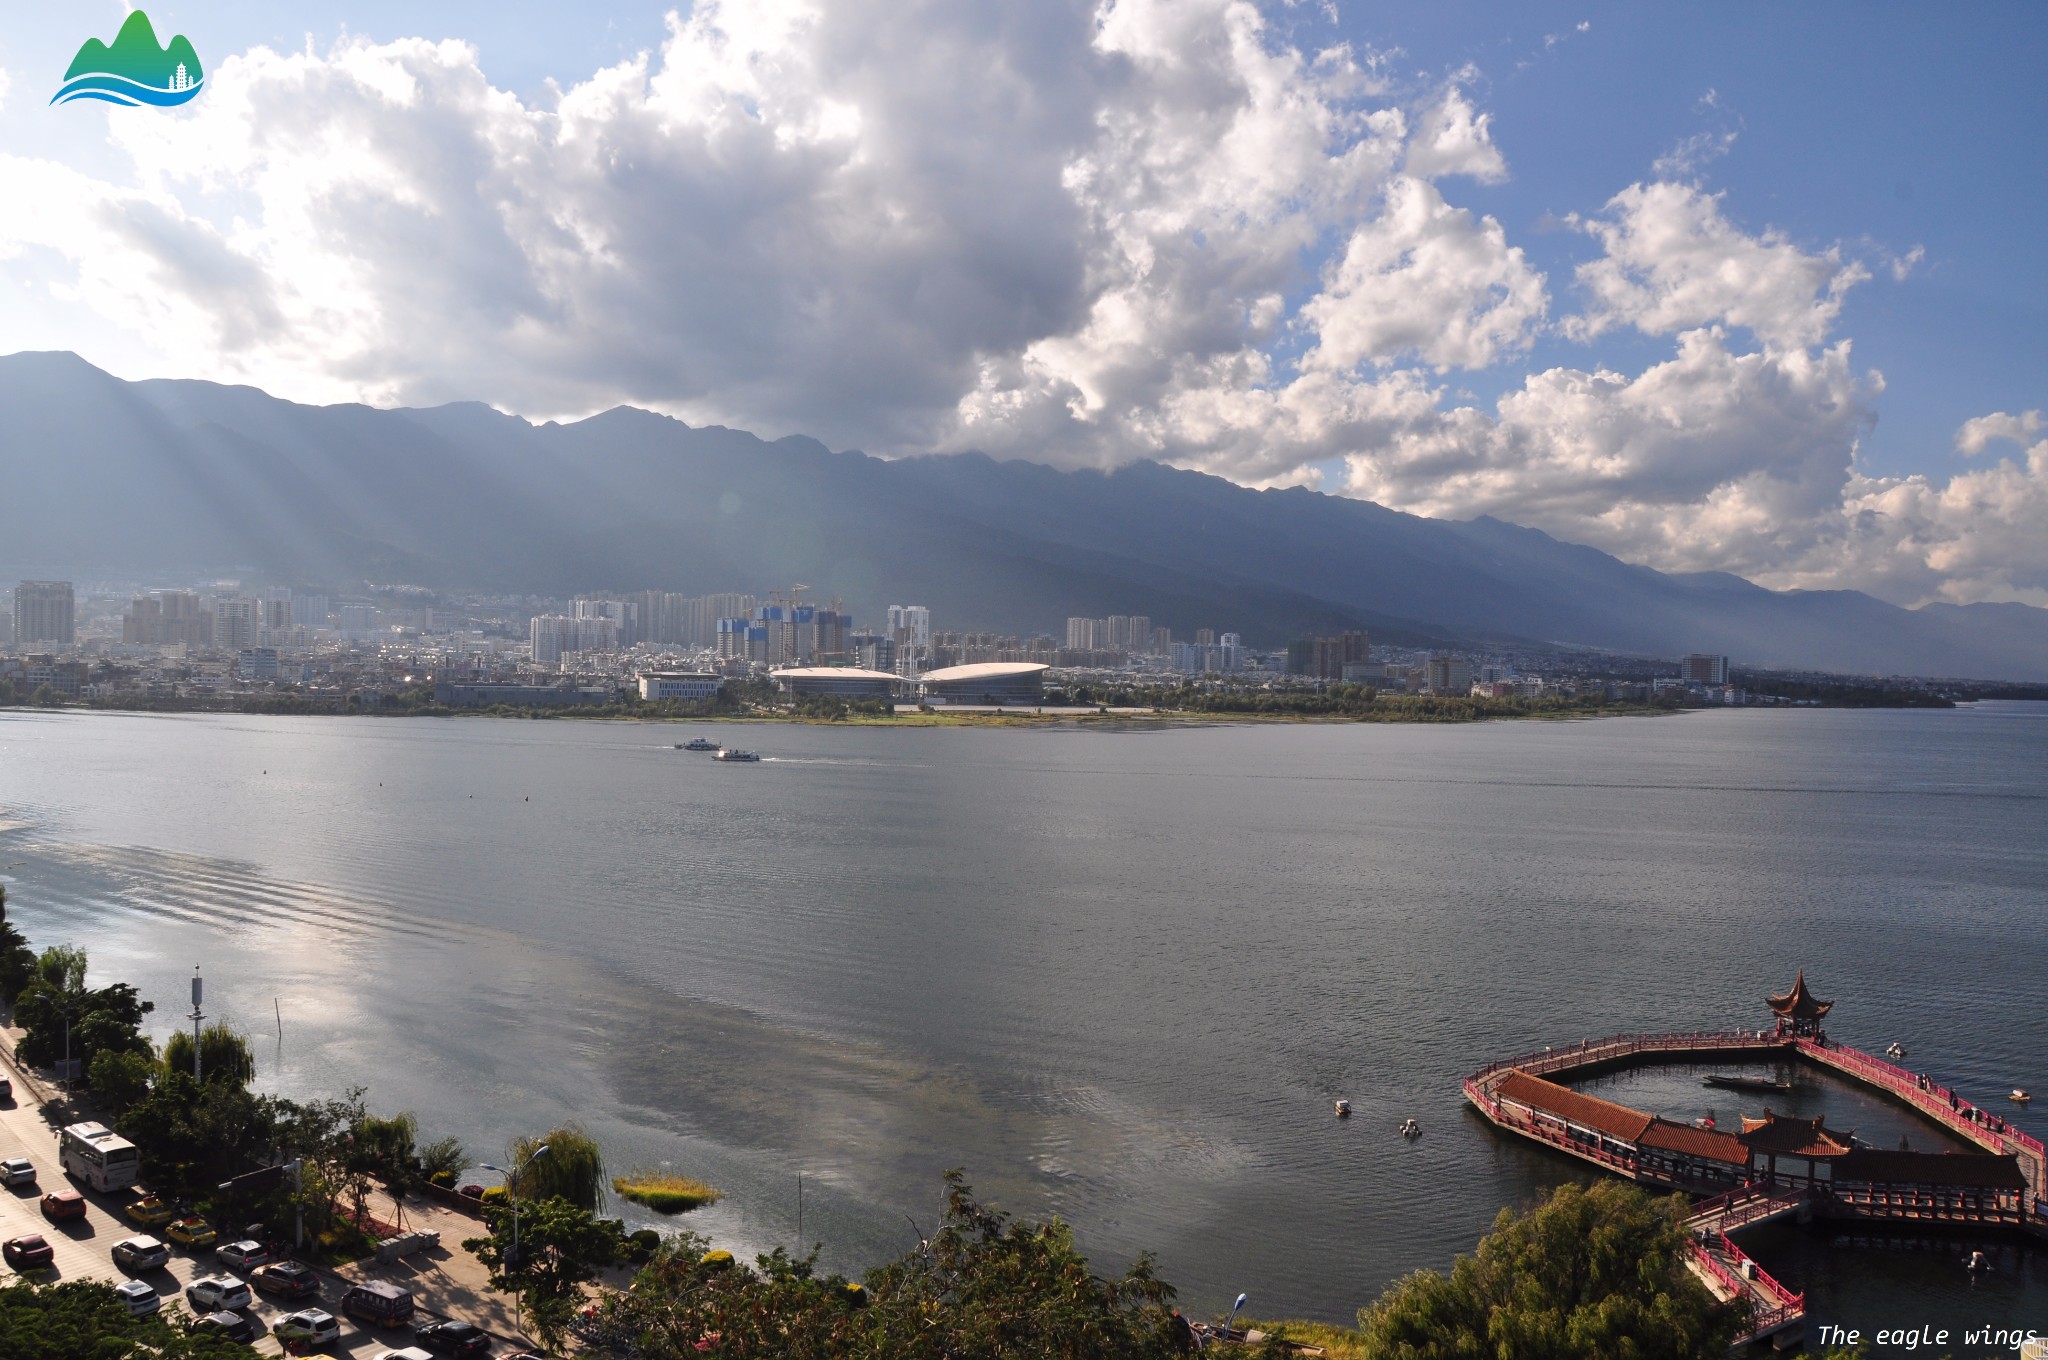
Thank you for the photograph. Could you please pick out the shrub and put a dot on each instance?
(445, 1180)
(495, 1194)
(664, 1192)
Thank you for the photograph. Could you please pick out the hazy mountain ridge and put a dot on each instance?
(106, 477)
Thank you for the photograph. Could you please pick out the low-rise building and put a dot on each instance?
(683, 686)
(457, 695)
(838, 682)
(1002, 683)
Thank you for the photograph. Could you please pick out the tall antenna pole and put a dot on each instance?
(198, 990)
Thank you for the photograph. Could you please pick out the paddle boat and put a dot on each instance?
(2019, 1096)
(1343, 1109)
(1410, 1129)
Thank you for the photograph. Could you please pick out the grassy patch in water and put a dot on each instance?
(665, 1192)
(1337, 1343)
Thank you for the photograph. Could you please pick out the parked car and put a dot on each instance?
(233, 1325)
(6, 1089)
(59, 1205)
(139, 1298)
(217, 1293)
(452, 1338)
(243, 1255)
(308, 1326)
(287, 1280)
(27, 1252)
(17, 1171)
(405, 1353)
(141, 1253)
(378, 1303)
(150, 1212)
(192, 1232)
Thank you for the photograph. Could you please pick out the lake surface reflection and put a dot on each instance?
(1116, 975)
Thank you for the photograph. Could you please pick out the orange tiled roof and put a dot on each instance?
(1710, 1144)
(1616, 1121)
(1788, 1137)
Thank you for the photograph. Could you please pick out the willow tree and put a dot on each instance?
(225, 1054)
(572, 1169)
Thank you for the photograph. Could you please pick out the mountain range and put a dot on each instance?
(167, 479)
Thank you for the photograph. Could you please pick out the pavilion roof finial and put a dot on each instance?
(1799, 1003)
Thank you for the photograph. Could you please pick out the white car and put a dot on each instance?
(310, 1325)
(17, 1171)
(406, 1353)
(218, 1294)
(139, 1298)
(141, 1253)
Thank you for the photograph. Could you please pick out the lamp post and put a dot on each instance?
(512, 1189)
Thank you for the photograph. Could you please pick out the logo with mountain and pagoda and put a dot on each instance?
(134, 70)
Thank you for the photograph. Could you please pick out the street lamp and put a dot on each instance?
(512, 1189)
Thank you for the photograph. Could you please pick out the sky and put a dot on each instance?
(1748, 288)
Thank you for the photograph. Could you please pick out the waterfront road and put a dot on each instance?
(447, 1282)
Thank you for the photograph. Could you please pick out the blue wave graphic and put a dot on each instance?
(121, 90)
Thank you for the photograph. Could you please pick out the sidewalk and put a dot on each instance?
(446, 1282)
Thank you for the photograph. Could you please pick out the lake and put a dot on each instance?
(1115, 974)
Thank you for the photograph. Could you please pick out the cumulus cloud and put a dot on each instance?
(1977, 433)
(1713, 459)
(1428, 280)
(1071, 231)
(1672, 260)
(1451, 138)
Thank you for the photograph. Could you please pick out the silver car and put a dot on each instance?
(141, 1253)
(244, 1255)
(139, 1298)
(312, 1326)
(17, 1171)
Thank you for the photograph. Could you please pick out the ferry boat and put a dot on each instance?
(728, 753)
(696, 744)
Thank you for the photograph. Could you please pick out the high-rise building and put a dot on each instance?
(1138, 635)
(1205, 637)
(1700, 668)
(1230, 652)
(43, 613)
(167, 618)
(277, 609)
(914, 620)
(624, 616)
(309, 611)
(1448, 675)
(551, 635)
(1085, 635)
(236, 619)
(6, 629)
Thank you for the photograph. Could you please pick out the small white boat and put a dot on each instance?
(1343, 1109)
(697, 744)
(1410, 1129)
(1896, 1051)
(1978, 1263)
(728, 753)
(2019, 1096)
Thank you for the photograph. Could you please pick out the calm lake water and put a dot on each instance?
(1115, 975)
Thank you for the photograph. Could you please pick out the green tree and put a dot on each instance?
(1597, 1271)
(224, 1053)
(984, 1286)
(572, 1169)
(193, 1136)
(120, 1079)
(443, 1154)
(86, 1320)
(17, 960)
(561, 1247)
(58, 1012)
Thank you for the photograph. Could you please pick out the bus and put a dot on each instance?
(101, 1158)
